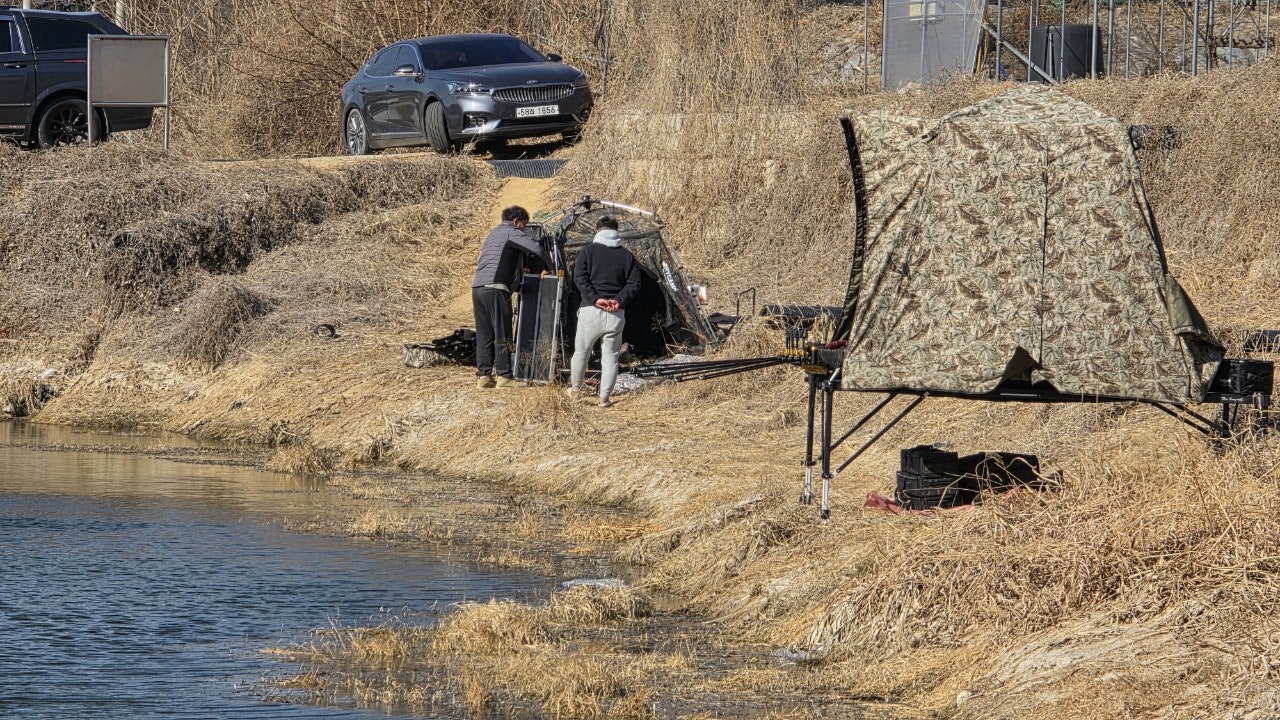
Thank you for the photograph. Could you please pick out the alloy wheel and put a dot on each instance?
(357, 140)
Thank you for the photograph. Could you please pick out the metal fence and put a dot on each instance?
(1051, 42)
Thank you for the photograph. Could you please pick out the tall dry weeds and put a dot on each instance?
(1151, 544)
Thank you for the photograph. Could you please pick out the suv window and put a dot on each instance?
(6, 36)
(57, 34)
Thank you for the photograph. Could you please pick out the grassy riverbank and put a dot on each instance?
(150, 290)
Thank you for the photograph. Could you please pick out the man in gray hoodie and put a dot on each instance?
(498, 271)
(608, 277)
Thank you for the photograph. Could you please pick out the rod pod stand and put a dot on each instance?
(806, 497)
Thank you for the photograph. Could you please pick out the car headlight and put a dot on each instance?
(580, 82)
(462, 88)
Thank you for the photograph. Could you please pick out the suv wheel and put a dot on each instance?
(65, 122)
(355, 134)
(433, 124)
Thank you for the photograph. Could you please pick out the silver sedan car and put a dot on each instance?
(447, 90)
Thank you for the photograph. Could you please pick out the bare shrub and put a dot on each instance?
(213, 319)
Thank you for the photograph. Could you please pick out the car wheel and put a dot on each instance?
(355, 134)
(65, 122)
(433, 125)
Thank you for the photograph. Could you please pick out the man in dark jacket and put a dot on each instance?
(608, 277)
(498, 272)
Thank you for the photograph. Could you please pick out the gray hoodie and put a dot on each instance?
(608, 238)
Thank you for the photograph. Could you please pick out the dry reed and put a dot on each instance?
(1149, 571)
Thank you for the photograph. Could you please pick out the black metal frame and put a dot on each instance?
(822, 368)
(827, 384)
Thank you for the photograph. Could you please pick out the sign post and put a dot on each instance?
(128, 71)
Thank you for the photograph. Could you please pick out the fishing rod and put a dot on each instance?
(796, 352)
(708, 370)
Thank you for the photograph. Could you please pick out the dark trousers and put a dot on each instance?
(492, 309)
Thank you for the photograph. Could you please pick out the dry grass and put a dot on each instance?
(1150, 572)
(500, 654)
(243, 92)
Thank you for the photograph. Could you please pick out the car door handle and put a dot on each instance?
(15, 65)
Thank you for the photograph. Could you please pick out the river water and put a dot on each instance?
(138, 587)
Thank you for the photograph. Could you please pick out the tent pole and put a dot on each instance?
(806, 498)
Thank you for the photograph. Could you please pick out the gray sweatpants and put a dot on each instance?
(595, 324)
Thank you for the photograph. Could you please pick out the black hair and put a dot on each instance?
(606, 222)
(514, 213)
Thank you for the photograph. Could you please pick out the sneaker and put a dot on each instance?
(506, 382)
(484, 382)
(574, 393)
(606, 402)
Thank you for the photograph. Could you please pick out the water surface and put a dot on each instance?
(138, 587)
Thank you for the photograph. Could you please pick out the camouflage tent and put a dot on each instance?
(1010, 243)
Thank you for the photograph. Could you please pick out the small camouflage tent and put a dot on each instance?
(1011, 242)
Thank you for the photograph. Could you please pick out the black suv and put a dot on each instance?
(42, 78)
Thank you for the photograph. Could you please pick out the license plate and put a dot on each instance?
(538, 111)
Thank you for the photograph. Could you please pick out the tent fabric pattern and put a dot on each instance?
(1011, 240)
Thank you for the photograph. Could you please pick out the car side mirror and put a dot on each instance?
(407, 71)
(554, 57)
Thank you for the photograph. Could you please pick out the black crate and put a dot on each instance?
(929, 460)
(911, 481)
(938, 497)
(929, 491)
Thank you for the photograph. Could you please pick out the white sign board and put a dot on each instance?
(128, 70)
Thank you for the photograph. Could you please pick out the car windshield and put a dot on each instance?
(449, 54)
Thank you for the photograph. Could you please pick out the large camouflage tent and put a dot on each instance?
(1010, 244)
